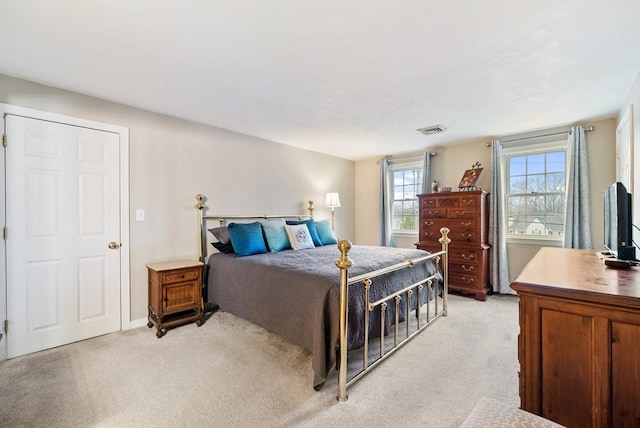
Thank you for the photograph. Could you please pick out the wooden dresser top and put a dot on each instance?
(579, 274)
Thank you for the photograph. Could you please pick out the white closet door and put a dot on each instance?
(63, 280)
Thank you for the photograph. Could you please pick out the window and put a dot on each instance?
(406, 184)
(535, 186)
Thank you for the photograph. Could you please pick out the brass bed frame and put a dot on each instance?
(344, 263)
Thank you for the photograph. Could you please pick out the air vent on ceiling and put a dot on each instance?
(430, 130)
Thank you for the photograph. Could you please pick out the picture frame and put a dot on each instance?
(470, 178)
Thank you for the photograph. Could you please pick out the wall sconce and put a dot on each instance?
(332, 201)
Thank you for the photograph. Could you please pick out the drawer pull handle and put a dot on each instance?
(467, 256)
(428, 223)
(433, 212)
(467, 268)
(466, 223)
(460, 213)
(429, 234)
(468, 280)
(467, 201)
(182, 275)
(468, 236)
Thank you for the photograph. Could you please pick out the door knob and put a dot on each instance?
(113, 245)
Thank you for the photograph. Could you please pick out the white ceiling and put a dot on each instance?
(353, 79)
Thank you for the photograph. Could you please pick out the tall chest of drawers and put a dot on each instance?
(466, 216)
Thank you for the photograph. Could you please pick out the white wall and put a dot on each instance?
(451, 162)
(633, 99)
(172, 160)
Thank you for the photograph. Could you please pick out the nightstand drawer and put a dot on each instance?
(181, 275)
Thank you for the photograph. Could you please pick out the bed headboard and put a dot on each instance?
(206, 221)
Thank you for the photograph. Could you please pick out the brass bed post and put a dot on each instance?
(343, 263)
(203, 237)
(445, 268)
(310, 209)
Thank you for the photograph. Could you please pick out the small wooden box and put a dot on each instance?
(175, 294)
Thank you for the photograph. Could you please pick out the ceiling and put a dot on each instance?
(354, 79)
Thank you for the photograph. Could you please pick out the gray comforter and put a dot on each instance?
(295, 294)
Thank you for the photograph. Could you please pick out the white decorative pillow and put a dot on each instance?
(299, 236)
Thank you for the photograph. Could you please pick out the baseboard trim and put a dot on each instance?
(137, 323)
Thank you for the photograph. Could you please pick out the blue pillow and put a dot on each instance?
(325, 232)
(312, 230)
(276, 235)
(247, 239)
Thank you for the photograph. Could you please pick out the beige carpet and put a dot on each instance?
(490, 413)
(231, 373)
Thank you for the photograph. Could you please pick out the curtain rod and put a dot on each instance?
(414, 156)
(417, 155)
(587, 129)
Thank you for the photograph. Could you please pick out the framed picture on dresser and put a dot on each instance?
(470, 178)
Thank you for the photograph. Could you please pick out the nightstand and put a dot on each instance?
(175, 294)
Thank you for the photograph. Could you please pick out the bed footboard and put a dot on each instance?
(344, 263)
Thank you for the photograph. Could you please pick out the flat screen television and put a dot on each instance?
(618, 227)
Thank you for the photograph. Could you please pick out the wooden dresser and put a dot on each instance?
(579, 343)
(175, 290)
(466, 216)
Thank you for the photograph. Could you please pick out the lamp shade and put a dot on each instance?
(332, 200)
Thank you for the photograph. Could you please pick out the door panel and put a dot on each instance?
(63, 208)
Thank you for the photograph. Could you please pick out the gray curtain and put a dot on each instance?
(577, 224)
(497, 236)
(386, 238)
(426, 173)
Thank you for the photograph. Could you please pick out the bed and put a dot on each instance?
(332, 298)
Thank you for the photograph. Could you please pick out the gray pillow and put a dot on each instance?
(221, 234)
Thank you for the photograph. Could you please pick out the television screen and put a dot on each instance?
(617, 222)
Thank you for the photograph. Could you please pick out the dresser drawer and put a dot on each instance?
(428, 202)
(465, 254)
(462, 213)
(458, 234)
(464, 236)
(464, 267)
(467, 279)
(181, 275)
(433, 213)
(448, 202)
(430, 229)
(468, 202)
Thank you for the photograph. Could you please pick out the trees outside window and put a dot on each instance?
(407, 183)
(536, 186)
